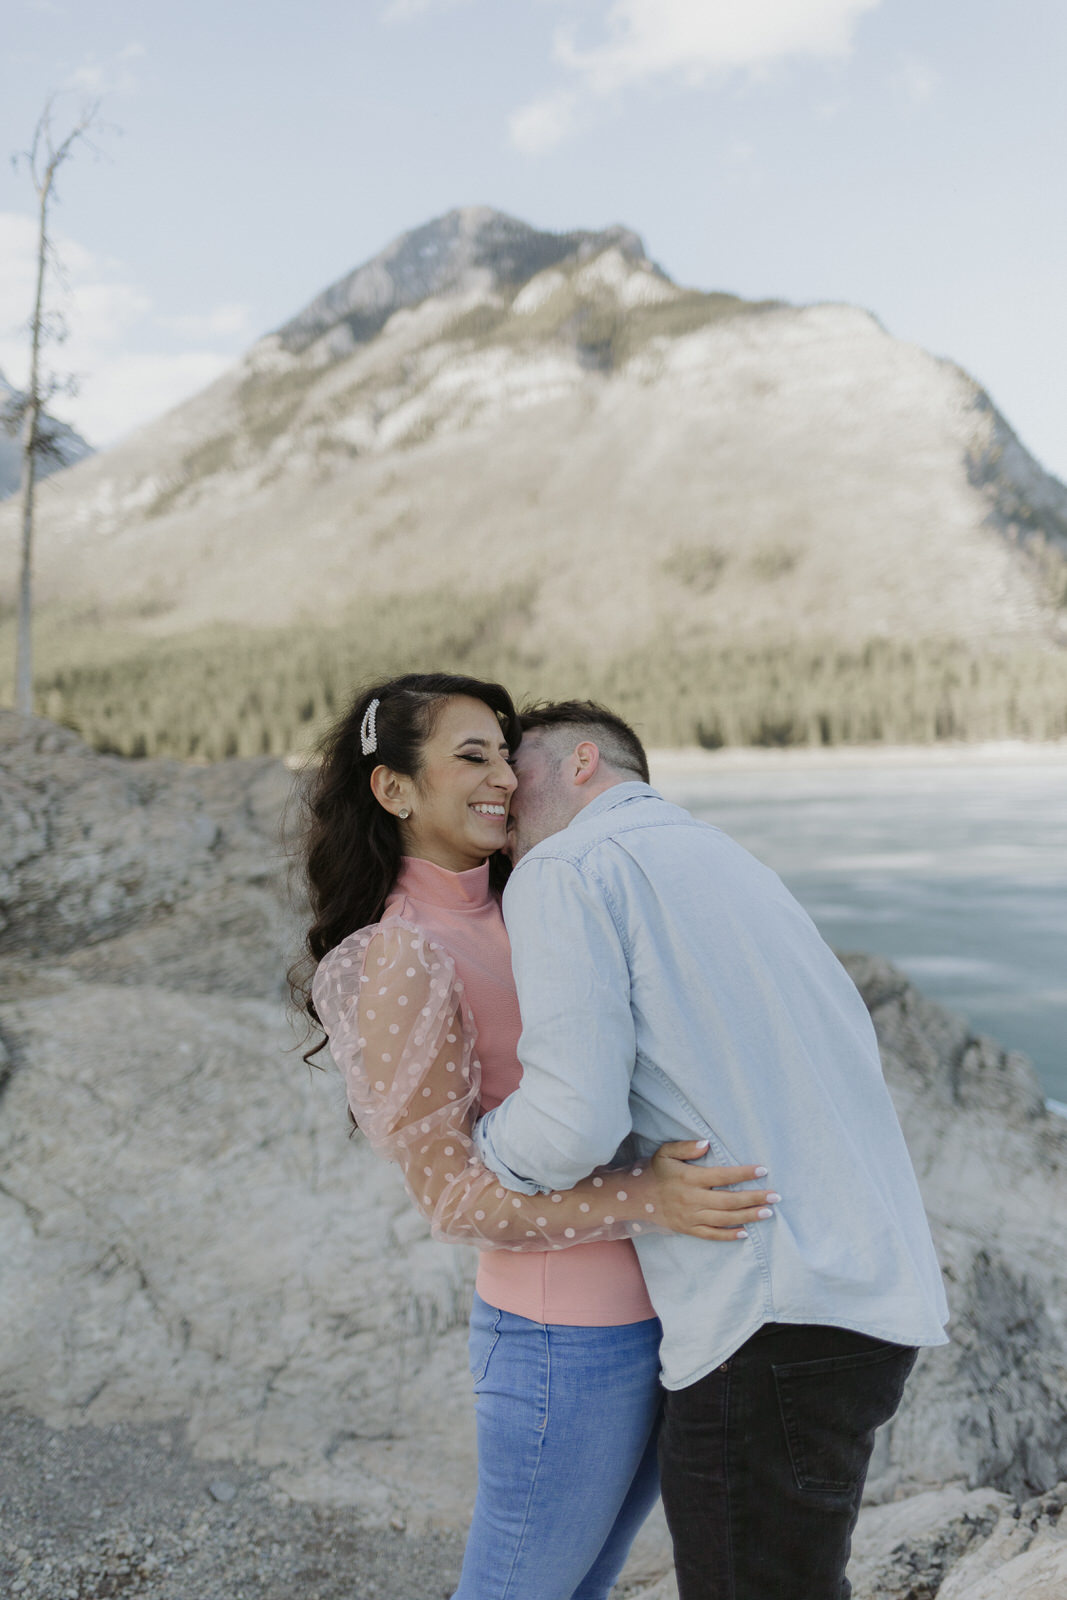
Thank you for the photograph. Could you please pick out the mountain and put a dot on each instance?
(470, 251)
(66, 446)
(536, 453)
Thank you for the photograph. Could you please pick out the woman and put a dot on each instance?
(413, 986)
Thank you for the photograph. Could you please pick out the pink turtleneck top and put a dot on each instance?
(455, 917)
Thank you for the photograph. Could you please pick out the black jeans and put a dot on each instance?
(763, 1462)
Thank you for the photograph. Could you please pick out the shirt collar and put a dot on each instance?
(460, 891)
(617, 795)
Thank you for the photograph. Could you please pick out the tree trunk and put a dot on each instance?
(24, 636)
(31, 426)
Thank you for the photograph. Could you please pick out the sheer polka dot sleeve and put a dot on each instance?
(403, 1036)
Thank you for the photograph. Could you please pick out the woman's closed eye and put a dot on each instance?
(473, 755)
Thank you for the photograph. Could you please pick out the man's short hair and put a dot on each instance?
(617, 742)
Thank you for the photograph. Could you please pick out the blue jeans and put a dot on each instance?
(567, 1426)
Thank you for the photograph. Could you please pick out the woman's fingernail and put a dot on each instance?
(761, 1172)
(764, 1212)
(773, 1199)
(701, 1144)
(742, 1234)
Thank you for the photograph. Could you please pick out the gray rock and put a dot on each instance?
(190, 1236)
(187, 1231)
(992, 1162)
(147, 871)
(902, 1551)
(1025, 1557)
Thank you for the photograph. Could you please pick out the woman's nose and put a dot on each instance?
(506, 778)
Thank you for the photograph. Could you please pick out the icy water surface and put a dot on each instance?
(958, 873)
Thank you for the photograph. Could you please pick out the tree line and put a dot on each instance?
(231, 692)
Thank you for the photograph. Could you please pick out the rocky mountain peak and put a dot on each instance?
(65, 447)
(470, 248)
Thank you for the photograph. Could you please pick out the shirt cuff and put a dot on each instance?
(483, 1143)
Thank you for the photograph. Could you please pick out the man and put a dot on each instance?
(672, 988)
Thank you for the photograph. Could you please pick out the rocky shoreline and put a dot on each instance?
(208, 1287)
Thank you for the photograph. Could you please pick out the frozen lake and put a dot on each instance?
(953, 867)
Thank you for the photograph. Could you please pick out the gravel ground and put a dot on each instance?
(89, 1513)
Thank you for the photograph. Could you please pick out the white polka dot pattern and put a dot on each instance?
(418, 1104)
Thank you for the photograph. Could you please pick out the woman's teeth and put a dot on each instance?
(490, 811)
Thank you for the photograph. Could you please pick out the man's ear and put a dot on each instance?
(586, 761)
(392, 790)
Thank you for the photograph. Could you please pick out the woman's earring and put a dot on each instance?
(404, 815)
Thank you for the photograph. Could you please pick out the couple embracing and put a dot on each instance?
(571, 1013)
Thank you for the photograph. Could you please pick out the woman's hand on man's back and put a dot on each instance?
(700, 1200)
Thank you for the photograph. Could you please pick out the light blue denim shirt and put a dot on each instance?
(672, 988)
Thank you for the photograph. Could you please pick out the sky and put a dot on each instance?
(898, 155)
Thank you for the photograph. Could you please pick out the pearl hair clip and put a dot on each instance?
(368, 732)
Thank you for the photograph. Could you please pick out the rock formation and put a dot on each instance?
(188, 1232)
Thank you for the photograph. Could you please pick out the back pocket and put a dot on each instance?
(830, 1410)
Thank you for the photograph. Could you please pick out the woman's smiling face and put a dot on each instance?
(459, 802)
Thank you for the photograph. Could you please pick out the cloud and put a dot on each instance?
(916, 80)
(697, 37)
(113, 76)
(404, 10)
(133, 387)
(89, 78)
(18, 236)
(131, 362)
(689, 40)
(226, 321)
(543, 123)
(98, 306)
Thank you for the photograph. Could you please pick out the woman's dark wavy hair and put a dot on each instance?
(349, 845)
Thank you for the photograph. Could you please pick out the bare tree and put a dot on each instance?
(43, 159)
